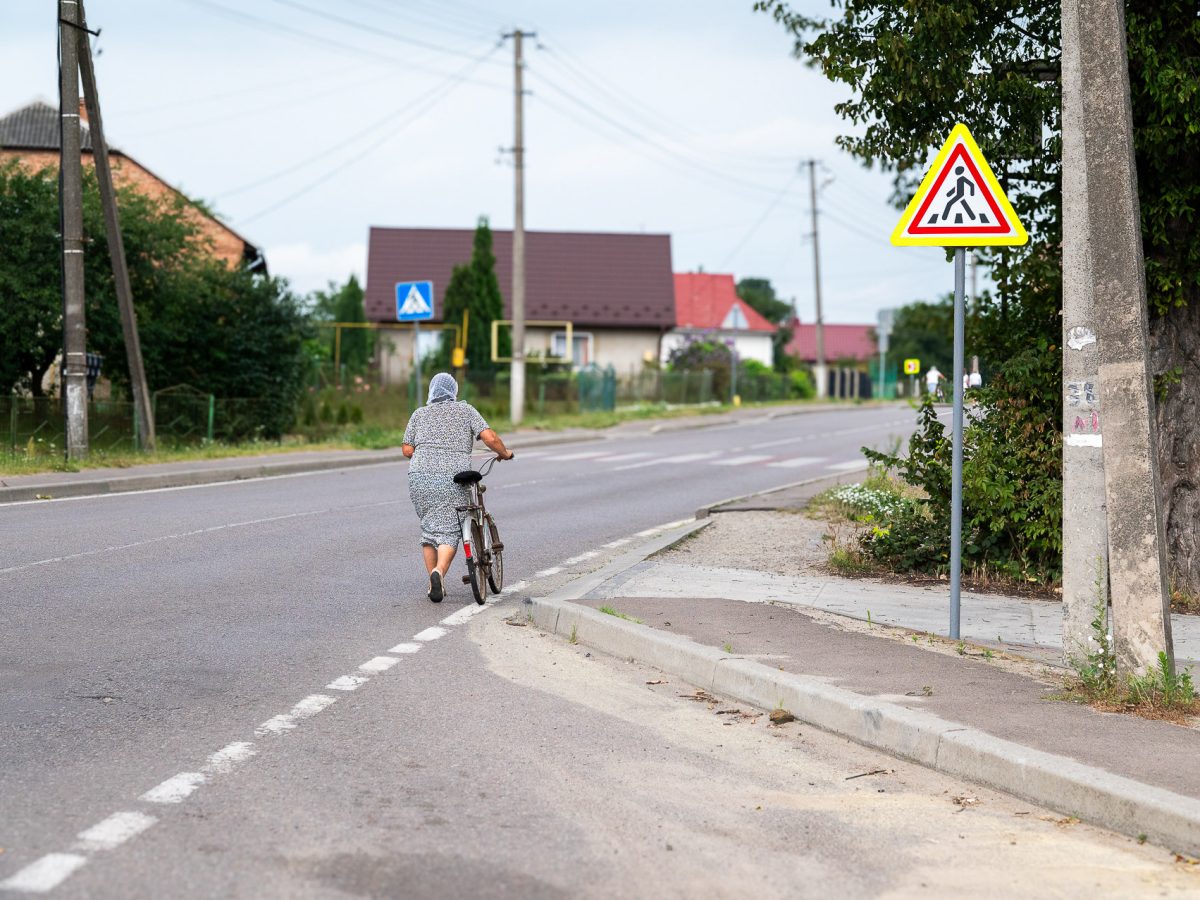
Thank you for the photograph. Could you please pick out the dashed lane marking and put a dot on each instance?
(546, 573)
(113, 831)
(430, 634)
(847, 466)
(405, 648)
(226, 759)
(586, 454)
(667, 460)
(378, 664)
(347, 683)
(797, 462)
(306, 708)
(739, 460)
(45, 874)
(175, 788)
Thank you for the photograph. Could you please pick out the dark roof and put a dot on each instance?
(606, 280)
(35, 127)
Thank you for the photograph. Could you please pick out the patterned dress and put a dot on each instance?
(443, 434)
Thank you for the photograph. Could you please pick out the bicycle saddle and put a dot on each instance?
(468, 477)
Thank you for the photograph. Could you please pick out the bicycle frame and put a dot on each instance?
(476, 510)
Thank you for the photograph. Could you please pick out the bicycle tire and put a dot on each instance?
(495, 557)
(476, 567)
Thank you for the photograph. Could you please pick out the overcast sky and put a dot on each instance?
(680, 116)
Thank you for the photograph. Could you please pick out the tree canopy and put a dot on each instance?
(474, 288)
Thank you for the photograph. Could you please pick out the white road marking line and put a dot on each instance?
(405, 648)
(580, 558)
(463, 615)
(176, 788)
(378, 664)
(276, 725)
(648, 532)
(513, 588)
(677, 523)
(113, 831)
(183, 534)
(529, 454)
(314, 703)
(430, 634)
(195, 487)
(739, 460)
(797, 462)
(347, 683)
(45, 874)
(847, 466)
(223, 761)
(666, 460)
(587, 454)
(546, 573)
(621, 457)
(619, 542)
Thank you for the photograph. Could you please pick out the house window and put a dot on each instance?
(581, 347)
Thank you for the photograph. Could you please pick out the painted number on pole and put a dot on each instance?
(414, 301)
(912, 367)
(959, 203)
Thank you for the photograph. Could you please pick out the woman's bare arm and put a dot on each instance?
(493, 443)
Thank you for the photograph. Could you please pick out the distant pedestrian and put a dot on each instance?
(933, 382)
(438, 439)
(976, 380)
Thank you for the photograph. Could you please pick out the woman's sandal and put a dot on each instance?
(435, 586)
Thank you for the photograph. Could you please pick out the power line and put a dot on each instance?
(419, 107)
(279, 29)
(431, 20)
(758, 223)
(373, 30)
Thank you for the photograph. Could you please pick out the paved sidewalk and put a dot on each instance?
(1014, 623)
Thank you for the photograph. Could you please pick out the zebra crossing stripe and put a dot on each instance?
(797, 462)
(739, 460)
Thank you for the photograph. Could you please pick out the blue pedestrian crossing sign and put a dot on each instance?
(414, 301)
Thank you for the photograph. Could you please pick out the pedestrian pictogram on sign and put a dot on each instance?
(912, 367)
(959, 203)
(414, 301)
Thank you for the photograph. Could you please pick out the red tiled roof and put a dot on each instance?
(703, 300)
(605, 280)
(841, 342)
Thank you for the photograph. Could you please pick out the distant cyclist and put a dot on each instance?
(933, 383)
(439, 439)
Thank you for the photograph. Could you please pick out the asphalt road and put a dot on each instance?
(240, 690)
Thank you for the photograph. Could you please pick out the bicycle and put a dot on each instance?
(484, 551)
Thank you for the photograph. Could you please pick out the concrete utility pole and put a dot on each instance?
(819, 370)
(1136, 559)
(116, 244)
(70, 181)
(1085, 531)
(517, 383)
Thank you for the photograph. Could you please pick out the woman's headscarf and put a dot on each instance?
(442, 387)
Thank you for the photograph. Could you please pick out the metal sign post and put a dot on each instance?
(414, 303)
(956, 464)
(959, 204)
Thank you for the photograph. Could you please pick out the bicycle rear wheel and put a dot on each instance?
(495, 556)
(476, 565)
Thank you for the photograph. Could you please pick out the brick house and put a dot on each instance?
(843, 343)
(707, 307)
(30, 135)
(615, 289)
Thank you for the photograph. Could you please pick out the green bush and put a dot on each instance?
(1012, 481)
(800, 384)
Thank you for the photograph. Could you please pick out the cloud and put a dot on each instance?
(308, 268)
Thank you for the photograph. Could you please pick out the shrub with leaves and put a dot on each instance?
(1012, 482)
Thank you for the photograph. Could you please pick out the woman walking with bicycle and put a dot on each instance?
(438, 440)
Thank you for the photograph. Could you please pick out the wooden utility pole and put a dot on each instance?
(116, 245)
(70, 181)
(1136, 554)
(1085, 531)
(819, 371)
(517, 381)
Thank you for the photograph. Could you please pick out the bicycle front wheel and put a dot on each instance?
(494, 556)
(477, 565)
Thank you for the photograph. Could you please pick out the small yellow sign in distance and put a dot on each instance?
(959, 203)
(912, 367)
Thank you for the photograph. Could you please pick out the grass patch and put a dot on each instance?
(609, 611)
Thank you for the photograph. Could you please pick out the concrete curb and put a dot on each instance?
(1065, 785)
(705, 511)
(87, 487)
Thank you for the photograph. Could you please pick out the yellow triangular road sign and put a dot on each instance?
(959, 203)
